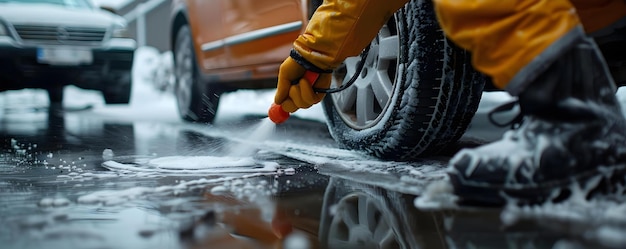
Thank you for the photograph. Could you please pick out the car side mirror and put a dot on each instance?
(109, 9)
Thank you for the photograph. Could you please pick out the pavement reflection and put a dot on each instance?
(55, 193)
(360, 215)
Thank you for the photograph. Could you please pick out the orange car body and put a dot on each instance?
(241, 42)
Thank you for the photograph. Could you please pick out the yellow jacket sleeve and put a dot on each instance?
(342, 28)
(505, 36)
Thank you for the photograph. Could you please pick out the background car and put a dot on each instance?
(49, 44)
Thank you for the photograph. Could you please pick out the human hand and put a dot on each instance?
(294, 89)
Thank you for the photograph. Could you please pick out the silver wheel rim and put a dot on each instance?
(359, 220)
(364, 103)
(184, 75)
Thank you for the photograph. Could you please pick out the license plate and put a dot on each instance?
(64, 56)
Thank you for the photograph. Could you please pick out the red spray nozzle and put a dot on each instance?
(276, 112)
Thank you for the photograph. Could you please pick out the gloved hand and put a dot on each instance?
(328, 40)
(293, 92)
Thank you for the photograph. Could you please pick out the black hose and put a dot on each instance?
(356, 74)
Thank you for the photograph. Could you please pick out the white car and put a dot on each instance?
(49, 44)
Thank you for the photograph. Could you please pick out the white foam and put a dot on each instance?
(54, 202)
(601, 219)
(297, 240)
(200, 162)
(117, 197)
(194, 165)
(438, 195)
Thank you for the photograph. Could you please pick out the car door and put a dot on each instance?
(261, 31)
(205, 17)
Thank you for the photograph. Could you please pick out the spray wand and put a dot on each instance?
(276, 112)
(278, 115)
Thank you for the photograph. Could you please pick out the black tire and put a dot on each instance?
(120, 93)
(55, 94)
(431, 95)
(197, 100)
(356, 215)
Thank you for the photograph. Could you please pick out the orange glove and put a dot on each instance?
(293, 91)
(338, 29)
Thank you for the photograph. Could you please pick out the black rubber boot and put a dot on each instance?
(574, 133)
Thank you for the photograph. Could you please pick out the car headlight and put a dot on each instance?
(120, 32)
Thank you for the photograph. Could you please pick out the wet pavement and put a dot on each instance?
(70, 178)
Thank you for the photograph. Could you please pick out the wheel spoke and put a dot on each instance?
(373, 216)
(350, 216)
(365, 106)
(388, 240)
(364, 208)
(388, 48)
(381, 87)
(338, 231)
(346, 99)
(382, 229)
(351, 63)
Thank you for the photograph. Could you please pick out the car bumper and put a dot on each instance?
(20, 68)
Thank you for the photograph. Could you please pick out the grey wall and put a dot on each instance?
(157, 22)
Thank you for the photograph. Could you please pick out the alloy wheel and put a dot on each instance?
(363, 103)
(359, 220)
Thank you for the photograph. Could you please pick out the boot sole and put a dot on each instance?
(475, 194)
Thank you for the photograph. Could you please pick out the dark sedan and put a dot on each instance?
(49, 44)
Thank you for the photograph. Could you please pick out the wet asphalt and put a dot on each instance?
(55, 192)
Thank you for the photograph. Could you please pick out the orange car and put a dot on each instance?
(415, 94)
(225, 45)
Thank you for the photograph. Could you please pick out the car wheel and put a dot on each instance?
(356, 215)
(55, 94)
(197, 101)
(120, 92)
(416, 94)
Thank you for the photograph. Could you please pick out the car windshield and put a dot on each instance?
(82, 4)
